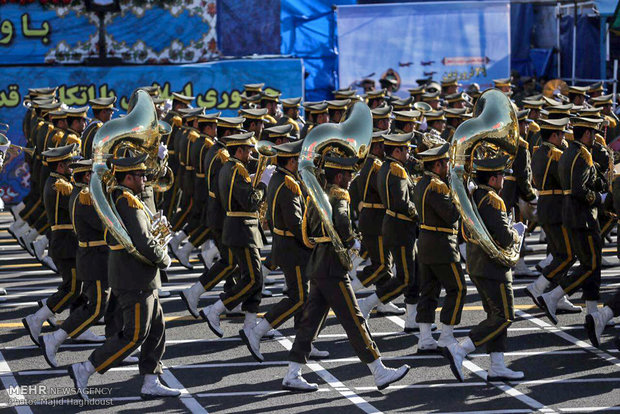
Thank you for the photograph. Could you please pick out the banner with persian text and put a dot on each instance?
(468, 40)
(178, 31)
(217, 87)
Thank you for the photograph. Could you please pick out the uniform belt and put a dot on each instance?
(550, 192)
(439, 229)
(211, 194)
(398, 215)
(200, 175)
(171, 152)
(189, 167)
(249, 214)
(116, 247)
(62, 227)
(283, 233)
(182, 163)
(372, 205)
(95, 243)
(324, 239)
(510, 178)
(567, 192)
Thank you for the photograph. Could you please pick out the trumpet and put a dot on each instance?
(6, 144)
(160, 228)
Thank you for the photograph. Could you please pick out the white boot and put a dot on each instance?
(183, 254)
(385, 376)
(152, 388)
(521, 269)
(426, 343)
(38, 247)
(389, 309)
(410, 324)
(176, 240)
(293, 381)
(191, 296)
(566, 306)
(356, 284)
(251, 335)
(18, 227)
(52, 321)
(163, 293)
(80, 373)
(463, 251)
(317, 354)
(537, 288)
(544, 262)
(499, 371)
(209, 252)
(28, 238)
(15, 210)
(456, 353)
(368, 304)
(549, 303)
(130, 360)
(542, 237)
(447, 336)
(48, 262)
(34, 322)
(596, 322)
(90, 337)
(236, 311)
(212, 315)
(357, 261)
(50, 344)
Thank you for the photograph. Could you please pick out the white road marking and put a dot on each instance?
(8, 381)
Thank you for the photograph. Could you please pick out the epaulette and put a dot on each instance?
(85, 198)
(340, 194)
(132, 200)
(304, 228)
(243, 172)
(292, 185)
(58, 137)
(585, 154)
(192, 136)
(599, 138)
(222, 155)
(64, 187)
(270, 119)
(176, 121)
(376, 165)
(555, 154)
(398, 170)
(496, 201)
(40, 124)
(73, 139)
(523, 143)
(534, 127)
(438, 186)
(612, 121)
(49, 127)
(208, 142)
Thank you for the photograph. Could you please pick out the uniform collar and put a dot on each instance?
(286, 172)
(487, 188)
(550, 145)
(57, 175)
(389, 158)
(432, 175)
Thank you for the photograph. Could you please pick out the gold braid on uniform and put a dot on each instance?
(555, 154)
(132, 200)
(496, 201)
(192, 136)
(376, 165)
(243, 172)
(340, 194)
(57, 137)
(438, 186)
(292, 185)
(64, 187)
(176, 121)
(304, 227)
(612, 121)
(222, 155)
(585, 154)
(73, 139)
(40, 124)
(534, 127)
(208, 142)
(599, 138)
(397, 170)
(85, 198)
(523, 143)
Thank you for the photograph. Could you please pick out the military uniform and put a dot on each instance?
(581, 187)
(240, 233)
(330, 286)
(63, 242)
(546, 179)
(399, 224)
(492, 279)
(134, 283)
(89, 133)
(438, 254)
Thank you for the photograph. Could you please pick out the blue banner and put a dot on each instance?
(217, 87)
(182, 31)
(467, 40)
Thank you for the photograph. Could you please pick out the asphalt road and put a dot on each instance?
(563, 372)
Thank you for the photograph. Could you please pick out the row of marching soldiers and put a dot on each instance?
(404, 210)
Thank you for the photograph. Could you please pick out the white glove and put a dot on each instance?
(356, 245)
(163, 151)
(603, 197)
(266, 177)
(4, 148)
(471, 186)
(520, 228)
(423, 125)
